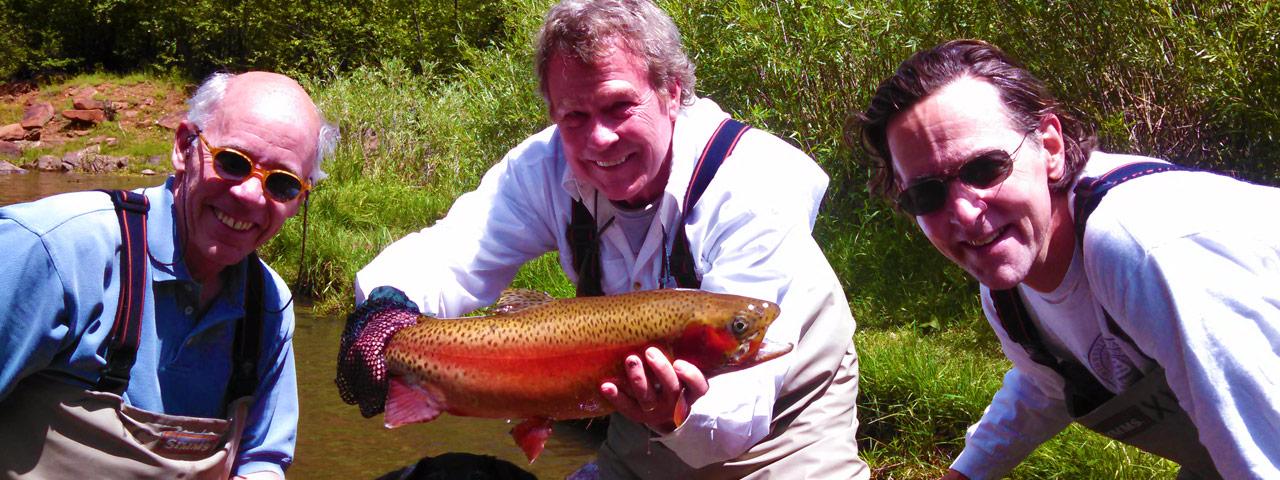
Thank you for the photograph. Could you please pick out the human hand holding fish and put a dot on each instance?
(656, 392)
(542, 359)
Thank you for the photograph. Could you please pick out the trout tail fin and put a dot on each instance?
(362, 362)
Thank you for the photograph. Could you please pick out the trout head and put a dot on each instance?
(730, 335)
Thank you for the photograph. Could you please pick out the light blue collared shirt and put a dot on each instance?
(59, 290)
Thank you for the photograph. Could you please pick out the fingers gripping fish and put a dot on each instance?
(535, 357)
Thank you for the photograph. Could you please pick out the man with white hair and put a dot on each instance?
(140, 336)
(641, 185)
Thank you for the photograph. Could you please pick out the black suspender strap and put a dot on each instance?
(683, 268)
(1083, 391)
(122, 344)
(584, 245)
(246, 348)
(584, 237)
(1089, 193)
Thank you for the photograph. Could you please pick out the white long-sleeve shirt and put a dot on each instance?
(750, 234)
(1188, 265)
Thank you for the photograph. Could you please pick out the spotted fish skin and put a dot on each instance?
(548, 359)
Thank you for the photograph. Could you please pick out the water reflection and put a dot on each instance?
(24, 187)
(334, 441)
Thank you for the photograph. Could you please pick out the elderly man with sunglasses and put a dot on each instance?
(1151, 316)
(140, 336)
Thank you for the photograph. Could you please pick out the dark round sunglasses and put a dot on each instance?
(929, 194)
(235, 166)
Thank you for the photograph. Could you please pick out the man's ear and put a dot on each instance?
(673, 95)
(184, 140)
(1050, 133)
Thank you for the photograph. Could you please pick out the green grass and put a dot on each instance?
(920, 391)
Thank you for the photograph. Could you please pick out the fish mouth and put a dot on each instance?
(769, 350)
(762, 352)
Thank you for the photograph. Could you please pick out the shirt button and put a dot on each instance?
(635, 286)
(188, 310)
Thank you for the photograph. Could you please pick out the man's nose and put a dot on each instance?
(603, 134)
(966, 203)
(250, 189)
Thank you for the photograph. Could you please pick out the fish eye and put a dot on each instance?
(739, 325)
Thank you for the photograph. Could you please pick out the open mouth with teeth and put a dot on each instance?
(610, 163)
(984, 241)
(234, 224)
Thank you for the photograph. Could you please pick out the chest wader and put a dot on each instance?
(1145, 415)
(52, 429)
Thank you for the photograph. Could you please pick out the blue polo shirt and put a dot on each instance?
(59, 289)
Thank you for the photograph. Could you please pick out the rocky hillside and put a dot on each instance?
(91, 126)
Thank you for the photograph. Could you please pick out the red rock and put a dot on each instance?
(13, 131)
(172, 120)
(6, 168)
(37, 114)
(88, 116)
(9, 148)
(88, 103)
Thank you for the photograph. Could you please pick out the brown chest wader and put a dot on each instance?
(52, 429)
(1145, 415)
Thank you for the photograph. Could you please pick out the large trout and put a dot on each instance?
(538, 358)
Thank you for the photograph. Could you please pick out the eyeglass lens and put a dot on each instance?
(234, 166)
(927, 196)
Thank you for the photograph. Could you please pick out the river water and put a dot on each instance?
(334, 441)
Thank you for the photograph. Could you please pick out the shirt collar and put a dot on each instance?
(162, 234)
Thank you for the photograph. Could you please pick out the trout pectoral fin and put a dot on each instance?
(531, 435)
(408, 403)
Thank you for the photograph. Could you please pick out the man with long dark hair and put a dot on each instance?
(1151, 316)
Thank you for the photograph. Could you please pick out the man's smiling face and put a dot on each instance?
(272, 120)
(615, 126)
(999, 234)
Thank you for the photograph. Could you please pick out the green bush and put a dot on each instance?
(198, 37)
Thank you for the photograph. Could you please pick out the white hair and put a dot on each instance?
(204, 103)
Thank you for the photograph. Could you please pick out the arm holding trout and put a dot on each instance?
(477, 248)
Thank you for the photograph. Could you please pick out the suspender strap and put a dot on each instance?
(1089, 193)
(122, 344)
(1081, 389)
(246, 348)
(683, 268)
(584, 237)
(584, 245)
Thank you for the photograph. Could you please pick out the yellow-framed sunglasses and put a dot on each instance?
(236, 166)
